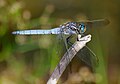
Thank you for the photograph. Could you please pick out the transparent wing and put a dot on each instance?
(99, 23)
(96, 23)
(88, 57)
(65, 46)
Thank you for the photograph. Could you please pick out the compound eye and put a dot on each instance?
(82, 28)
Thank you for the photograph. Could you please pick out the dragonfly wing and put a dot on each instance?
(88, 57)
(97, 23)
(64, 37)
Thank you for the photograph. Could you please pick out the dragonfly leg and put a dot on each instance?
(70, 44)
(68, 40)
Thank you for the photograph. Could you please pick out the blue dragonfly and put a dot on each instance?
(69, 29)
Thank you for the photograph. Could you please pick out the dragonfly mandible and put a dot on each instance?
(70, 28)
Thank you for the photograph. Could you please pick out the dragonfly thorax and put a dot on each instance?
(79, 28)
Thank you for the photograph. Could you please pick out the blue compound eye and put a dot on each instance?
(82, 28)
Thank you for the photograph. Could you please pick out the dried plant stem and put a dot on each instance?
(72, 51)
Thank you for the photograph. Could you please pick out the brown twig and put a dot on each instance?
(72, 51)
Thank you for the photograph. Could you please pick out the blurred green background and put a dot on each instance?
(31, 59)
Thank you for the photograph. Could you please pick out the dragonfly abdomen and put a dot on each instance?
(35, 32)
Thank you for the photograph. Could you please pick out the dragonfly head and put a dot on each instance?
(82, 28)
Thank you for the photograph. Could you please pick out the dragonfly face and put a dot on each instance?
(82, 28)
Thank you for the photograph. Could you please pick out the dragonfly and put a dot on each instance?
(69, 29)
